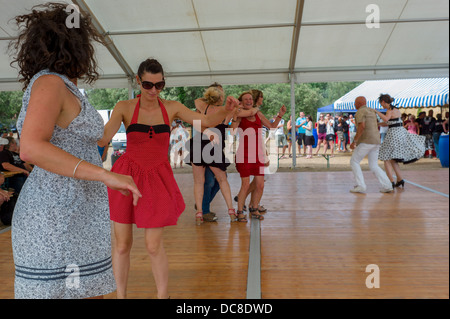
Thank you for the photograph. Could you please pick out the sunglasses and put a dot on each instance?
(149, 85)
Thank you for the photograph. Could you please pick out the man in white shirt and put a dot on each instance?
(280, 137)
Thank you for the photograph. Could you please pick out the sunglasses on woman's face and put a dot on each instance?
(149, 85)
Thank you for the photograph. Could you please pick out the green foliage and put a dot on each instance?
(10, 105)
(308, 97)
(106, 99)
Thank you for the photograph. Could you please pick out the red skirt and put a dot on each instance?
(162, 202)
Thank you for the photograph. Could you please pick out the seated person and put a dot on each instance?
(10, 161)
(7, 203)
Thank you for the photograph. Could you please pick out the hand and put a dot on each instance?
(4, 195)
(353, 146)
(124, 184)
(231, 104)
(283, 110)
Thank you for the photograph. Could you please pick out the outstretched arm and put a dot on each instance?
(211, 120)
(267, 123)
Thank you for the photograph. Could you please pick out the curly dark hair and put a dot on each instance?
(46, 42)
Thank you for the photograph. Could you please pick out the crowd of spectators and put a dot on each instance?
(13, 174)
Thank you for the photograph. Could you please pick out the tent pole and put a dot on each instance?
(293, 130)
(130, 90)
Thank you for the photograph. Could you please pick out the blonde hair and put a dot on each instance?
(213, 95)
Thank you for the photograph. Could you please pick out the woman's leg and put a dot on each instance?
(389, 170)
(123, 234)
(318, 147)
(222, 179)
(158, 258)
(397, 171)
(245, 184)
(257, 195)
(199, 185)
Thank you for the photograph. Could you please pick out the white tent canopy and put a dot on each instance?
(407, 93)
(248, 41)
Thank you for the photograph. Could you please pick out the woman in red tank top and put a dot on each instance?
(147, 120)
(250, 156)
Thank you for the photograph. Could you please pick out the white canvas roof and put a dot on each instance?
(249, 42)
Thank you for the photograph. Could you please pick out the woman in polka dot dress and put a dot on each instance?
(399, 146)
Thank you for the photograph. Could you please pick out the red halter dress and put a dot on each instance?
(250, 155)
(146, 160)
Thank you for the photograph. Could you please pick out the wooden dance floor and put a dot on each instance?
(316, 242)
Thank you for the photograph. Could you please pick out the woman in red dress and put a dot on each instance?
(147, 119)
(250, 156)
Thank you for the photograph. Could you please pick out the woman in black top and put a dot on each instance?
(322, 133)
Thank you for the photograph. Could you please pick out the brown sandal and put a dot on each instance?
(255, 213)
(241, 219)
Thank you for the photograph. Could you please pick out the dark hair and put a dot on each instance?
(10, 139)
(150, 66)
(216, 85)
(47, 42)
(387, 98)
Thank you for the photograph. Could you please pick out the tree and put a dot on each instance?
(10, 105)
(106, 99)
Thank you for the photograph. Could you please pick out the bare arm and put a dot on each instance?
(247, 113)
(113, 124)
(386, 117)
(210, 120)
(49, 104)
(359, 131)
(12, 168)
(200, 105)
(267, 123)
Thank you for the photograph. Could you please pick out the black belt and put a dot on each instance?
(396, 125)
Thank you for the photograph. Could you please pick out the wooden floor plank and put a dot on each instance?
(316, 242)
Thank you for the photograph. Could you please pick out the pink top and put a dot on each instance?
(412, 128)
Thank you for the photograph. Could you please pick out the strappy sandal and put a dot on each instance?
(241, 219)
(255, 214)
(232, 214)
(199, 218)
(236, 200)
(262, 209)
